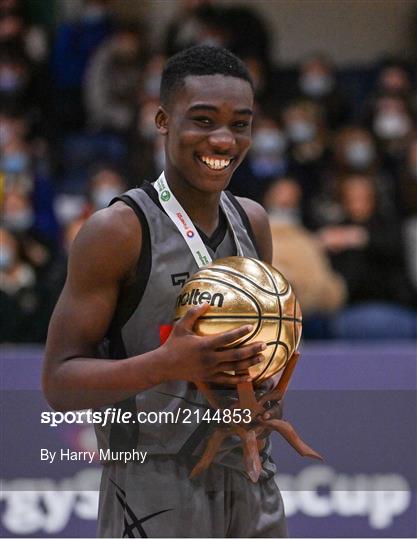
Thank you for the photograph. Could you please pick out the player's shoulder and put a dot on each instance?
(113, 232)
(117, 223)
(258, 219)
(256, 212)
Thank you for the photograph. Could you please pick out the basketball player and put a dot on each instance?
(106, 339)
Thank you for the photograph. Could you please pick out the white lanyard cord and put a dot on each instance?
(184, 224)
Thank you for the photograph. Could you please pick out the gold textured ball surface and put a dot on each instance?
(240, 291)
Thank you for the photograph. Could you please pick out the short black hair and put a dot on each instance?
(200, 60)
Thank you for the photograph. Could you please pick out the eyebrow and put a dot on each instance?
(206, 107)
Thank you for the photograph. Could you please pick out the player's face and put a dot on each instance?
(208, 130)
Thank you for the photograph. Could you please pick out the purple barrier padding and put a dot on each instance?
(353, 366)
(323, 366)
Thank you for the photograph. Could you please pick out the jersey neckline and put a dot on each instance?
(214, 240)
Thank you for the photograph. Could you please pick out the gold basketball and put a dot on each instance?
(242, 291)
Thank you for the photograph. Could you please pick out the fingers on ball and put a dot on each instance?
(243, 365)
(225, 338)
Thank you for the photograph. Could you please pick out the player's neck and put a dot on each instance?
(202, 208)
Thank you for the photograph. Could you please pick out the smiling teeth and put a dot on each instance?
(216, 164)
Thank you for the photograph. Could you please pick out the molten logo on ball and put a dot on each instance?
(195, 297)
(242, 291)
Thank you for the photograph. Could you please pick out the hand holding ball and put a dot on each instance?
(243, 291)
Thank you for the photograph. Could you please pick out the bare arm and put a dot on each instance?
(100, 260)
(102, 257)
(260, 225)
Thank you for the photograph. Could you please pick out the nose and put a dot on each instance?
(222, 140)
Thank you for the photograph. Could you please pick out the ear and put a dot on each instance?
(161, 121)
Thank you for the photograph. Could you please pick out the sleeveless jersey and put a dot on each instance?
(145, 311)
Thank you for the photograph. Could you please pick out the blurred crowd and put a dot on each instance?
(333, 160)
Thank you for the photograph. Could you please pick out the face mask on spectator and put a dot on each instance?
(301, 131)
(359, 154)
(19, 221)
(15, 163)
(268, 141)
(391, 125)
(315, 85)
(10, 80)
(7, 258)
(68, 207)
(103, 195)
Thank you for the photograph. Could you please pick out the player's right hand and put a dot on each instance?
(204, 359)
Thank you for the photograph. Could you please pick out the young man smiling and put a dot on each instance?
(108, 344)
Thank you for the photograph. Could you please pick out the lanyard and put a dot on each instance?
(184, 224)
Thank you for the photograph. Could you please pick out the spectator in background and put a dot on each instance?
(393, 124)
(185, 28)
(68, 207)
(300, 257)
(112, 79)
(72, 48)
(355, 151)
(24, 87)
(367, 250)
(15, 158)
(104, 184)
(205, 22)
(394, 78)
(246, 30)
(16, 30)
(317, 81)
(15, 78)
(308, 153)
(25, 165)
(20, 219)
(24, 308)
(266, 158)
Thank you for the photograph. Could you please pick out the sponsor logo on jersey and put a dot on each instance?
(195, 296)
